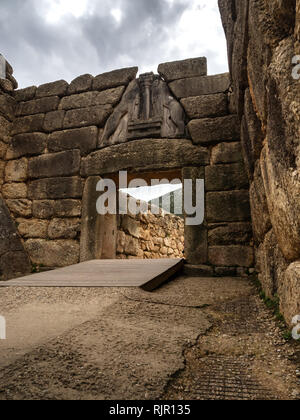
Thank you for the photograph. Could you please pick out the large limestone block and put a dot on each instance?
(196, 86)
(64, 228)
(226, 177)
(14, 264)
(37, 106)
(205, 106)
(149, 154)
(54, 121)
(27, 94)
(67, 208)
(27, 145)
(259, 208)
(228, 206)
(290, 293)
(231, 256)
(195, 237)
(271, 265)
(114, 78)
(14, 190)
(58, 88)
(33, 228)
(29, 124)
(55, 188)
(60, 253)
(7, 106)
(21, 207)
(81, 84)
(5, 129)
(95, 115)
(43, 209)
(214, 130)
(230, 234)
(84, 139)
(88, 99)
(226, 153)
(183, 69)
(3, 149)
(282, 187)
(9, 241)
(16, 170)
(54, 165)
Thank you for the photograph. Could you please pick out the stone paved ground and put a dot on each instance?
(191, 339)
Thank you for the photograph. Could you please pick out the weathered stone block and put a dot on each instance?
(89, 99)
(58, 88)
(38, 106)
(7, 106)
(81, 84)
(183, 69)
(20, 207)
(9, 238)
(43, 209)
(7, 86)
(14, 190)
(214, 130)
(226, 153)
(230, 234)
(282, 189)
(26, 94)
(54, 165)
(84, 139)
(96, 115)
(16, 170)
(59, 253)
(132, 246)
(271, 265)
(206, 106)
(131, 226)
(27, 145)
(3, 149)
(230, 206)
(259, 207)
(54, 121)
(145, 155)
(231, 256)
(55, 188)
(67, 208)
(5, 129)
(197, 86)
(14, 264)
(114, 78)
(64, 228)
(226, 177)
(290, 293)
(29, 124)
(32, 228)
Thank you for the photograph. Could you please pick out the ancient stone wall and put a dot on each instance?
(65, 137)
(14, 260)
(263, 37)
(150, 236)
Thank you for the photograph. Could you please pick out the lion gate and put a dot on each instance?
(58, 140)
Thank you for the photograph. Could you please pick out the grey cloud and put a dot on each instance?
(94, 43)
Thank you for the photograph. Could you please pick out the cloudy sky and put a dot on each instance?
(47, 40)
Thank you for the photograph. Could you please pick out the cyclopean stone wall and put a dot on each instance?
(14, 260)
(150, 236)
(65, 137)
(263, 37)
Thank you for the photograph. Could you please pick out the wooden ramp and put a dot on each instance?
(146, 274)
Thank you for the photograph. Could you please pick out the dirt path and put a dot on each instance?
(192, 339)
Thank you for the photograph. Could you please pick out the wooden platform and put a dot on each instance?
(146, 274)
